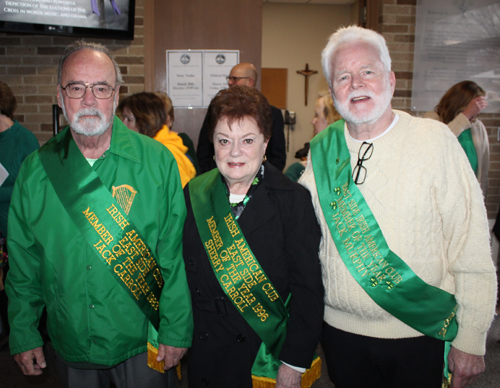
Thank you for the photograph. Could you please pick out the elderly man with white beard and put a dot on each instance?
(409, 281)
(95, 237)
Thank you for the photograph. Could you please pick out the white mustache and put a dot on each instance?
(356, 94)
(89, 112)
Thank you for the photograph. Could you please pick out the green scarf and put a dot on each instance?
(465, 140)
(237, 270)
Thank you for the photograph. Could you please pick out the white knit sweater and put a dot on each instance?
(428, 203)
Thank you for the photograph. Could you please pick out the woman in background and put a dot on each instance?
(16, 143)
(191, 152)
(146, 113)
(324, 115)
(458, 109)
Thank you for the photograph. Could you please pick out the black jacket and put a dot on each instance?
(280, 226)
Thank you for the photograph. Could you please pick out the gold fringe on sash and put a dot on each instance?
(308, 378)
(263, 382)
(178, 369)
(446, 382)
(152, 363)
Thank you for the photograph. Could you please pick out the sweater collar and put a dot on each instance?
(388, 137)
(166, 136)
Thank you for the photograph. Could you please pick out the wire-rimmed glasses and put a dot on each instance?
(77, 90)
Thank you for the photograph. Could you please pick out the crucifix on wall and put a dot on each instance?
(306, 73)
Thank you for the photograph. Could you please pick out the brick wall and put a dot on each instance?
(28, 64)
(397, 24)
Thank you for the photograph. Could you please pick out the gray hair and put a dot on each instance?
(351, 34)
(81, 45)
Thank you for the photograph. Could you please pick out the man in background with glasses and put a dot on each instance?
(405, 250)
(95, 237)
(245, 74)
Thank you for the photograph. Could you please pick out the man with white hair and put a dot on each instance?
(405, 249)
(95, 237)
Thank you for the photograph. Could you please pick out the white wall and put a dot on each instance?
(293, 35)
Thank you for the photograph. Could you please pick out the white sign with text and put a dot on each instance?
(195, 76)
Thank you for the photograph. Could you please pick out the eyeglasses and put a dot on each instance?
(235, 79)
(76, 90)
(359, 172)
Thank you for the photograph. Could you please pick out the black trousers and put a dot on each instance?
(132, 373)
(356, 361)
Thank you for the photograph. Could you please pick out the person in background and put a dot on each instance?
(146, 113)
(95, 237)
(458, 109)
(295, 170)
(405, 250)
(245, 74)
(324, 115)
(16, 143)
(186, 140)
(251, 243)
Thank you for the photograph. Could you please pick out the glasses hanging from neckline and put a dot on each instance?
(359, 172)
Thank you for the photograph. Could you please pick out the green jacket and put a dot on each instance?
(90, 317)
(295, 171)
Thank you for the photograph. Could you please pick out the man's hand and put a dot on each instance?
(465, 367)
(25, 361)
(288, 377)
(171, 355)
(475, 107)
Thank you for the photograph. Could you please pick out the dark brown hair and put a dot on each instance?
(149, 112)
(8, 102)
(237, 103)
(456, 99)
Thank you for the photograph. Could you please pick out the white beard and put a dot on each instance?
(89, 127)
(382, 103)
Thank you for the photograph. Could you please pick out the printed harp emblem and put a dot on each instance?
(124, 195)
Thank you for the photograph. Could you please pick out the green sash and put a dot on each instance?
(465, 140)
(104, 225)
(387, 279)
(237, 270)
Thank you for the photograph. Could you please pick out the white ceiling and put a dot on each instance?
(330, 2)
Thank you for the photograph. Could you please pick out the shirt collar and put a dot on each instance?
(124, 141)
(393, 124)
